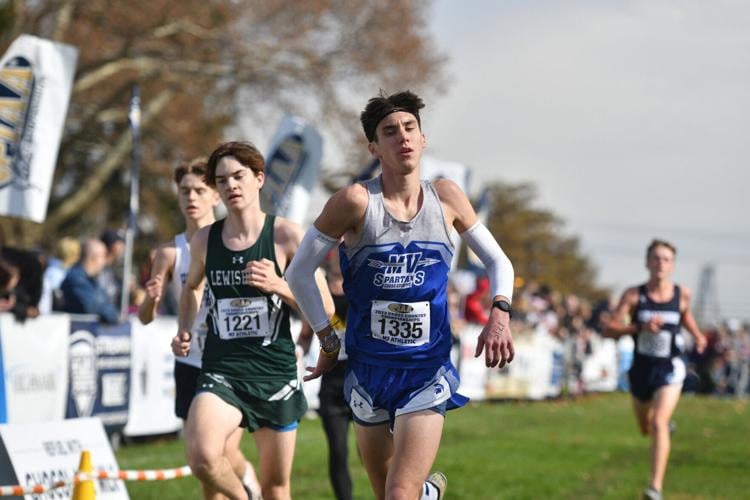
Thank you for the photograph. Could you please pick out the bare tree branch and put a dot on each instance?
(108, 70)
(64, 16)
(184, 26)
(224, 63)
(151, 64)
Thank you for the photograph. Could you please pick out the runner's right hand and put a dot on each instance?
(153, 288)
(653, 325)
(181, 343)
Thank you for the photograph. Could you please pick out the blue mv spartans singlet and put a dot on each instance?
(395, 278)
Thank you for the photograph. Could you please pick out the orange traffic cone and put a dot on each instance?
(85, 489)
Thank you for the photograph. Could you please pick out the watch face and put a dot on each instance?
(502, 305)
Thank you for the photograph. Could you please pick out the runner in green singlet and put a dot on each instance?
(249, 374)
(169, 269)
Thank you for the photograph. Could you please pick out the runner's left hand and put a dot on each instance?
(261, 274)
(496, 340)
(700, 344)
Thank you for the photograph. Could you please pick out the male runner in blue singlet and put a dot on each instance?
(395, 259)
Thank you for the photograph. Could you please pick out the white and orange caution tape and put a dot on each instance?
(136, 475)
(18, 491)
(85, 475)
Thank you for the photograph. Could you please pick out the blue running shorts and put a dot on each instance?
(648, 376)
(378, 394)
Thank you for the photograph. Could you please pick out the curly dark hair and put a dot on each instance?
(383, 105)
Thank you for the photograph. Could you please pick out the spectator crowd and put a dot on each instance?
(723, 369)
(85, 277)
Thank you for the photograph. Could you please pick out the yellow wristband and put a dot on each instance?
(332, 354)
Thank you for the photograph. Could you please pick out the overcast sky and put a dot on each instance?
(631, 118)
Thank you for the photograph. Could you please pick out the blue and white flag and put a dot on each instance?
(372, 169)
(36, 78)
(292, 169)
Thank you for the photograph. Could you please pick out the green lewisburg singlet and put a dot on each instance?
(249, 337)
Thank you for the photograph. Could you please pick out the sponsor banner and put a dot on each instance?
(152, 388)
(600, 368)
(292, 169)
(35, 367)
(50, 452)
(99, 371)
(472, 371)
(534, 372)
(36, 78)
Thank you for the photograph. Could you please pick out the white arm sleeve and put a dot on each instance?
(498, 265)
(301, 276)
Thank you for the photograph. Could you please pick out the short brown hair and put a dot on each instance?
(244, 152)
(659, 243)
(197, 166)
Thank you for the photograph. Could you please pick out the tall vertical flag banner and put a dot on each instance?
(292, 169)
(36, 78)
(368, 172)
(134, 117)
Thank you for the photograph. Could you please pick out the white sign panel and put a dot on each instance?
(472, 371)
(531, 375)
(35, 367)
(36, 77)
(600, 369)
(152, 389)
(50, 452)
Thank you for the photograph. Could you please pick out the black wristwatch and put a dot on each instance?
(503, 305)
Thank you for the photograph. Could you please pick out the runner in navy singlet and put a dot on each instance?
(654, 313)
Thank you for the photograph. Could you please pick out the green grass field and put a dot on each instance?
(558, 449)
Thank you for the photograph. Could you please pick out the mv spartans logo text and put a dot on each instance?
(401, 271)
